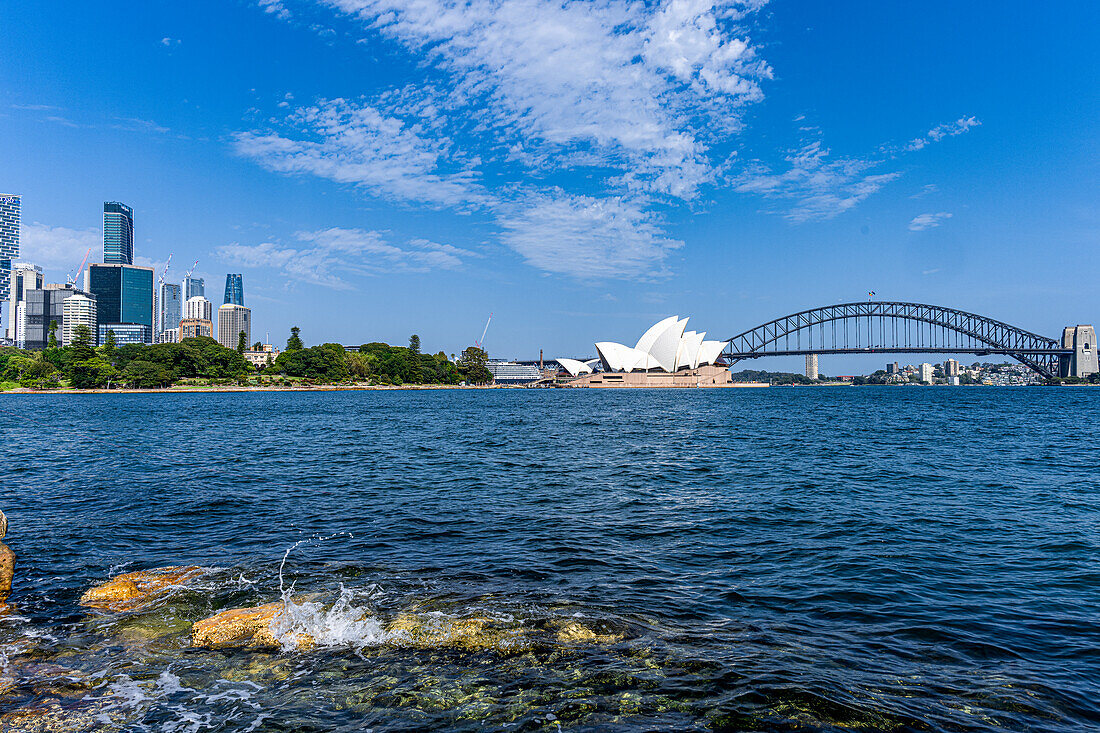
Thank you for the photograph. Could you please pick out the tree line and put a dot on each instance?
(84, 366)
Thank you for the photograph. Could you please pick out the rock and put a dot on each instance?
(473, 634)
(247, 628)
(131, 591)
(574, 632)
(3, 525)
(7, 570)
(50, 717)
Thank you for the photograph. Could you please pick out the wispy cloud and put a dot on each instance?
(59, 250)
(170, 42)
(939, 132)
(329, 257)
(928, 221)
(274, 7)
(926, 190)
(629, 96)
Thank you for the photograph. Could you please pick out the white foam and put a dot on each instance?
(341, 625)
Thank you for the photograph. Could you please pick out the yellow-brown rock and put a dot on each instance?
(245, 628)
(574, 632)
(131, 591)
(7, 571)
(472, 634)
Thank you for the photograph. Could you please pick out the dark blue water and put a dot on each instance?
(781, 559)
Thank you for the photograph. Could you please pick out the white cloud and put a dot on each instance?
(588, 238)
(58, 250)
(928, 221)
(274, 7)
(328, 257)
(170, 42)
(939, 132)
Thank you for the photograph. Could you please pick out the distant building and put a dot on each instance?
(24, 277)
(10, 206)
(193, 287)
(892, 369)
(118, 234)
(125, 333)
(170, 336)
(260, 357)
(232, 320)
(509, 372)
(811, 366)
(951, 368)
(169, 308)
(39, 309)
(234, 289)
(194, 327)
(199, 308)
(926, 373)
(77, 310)
(124, 296)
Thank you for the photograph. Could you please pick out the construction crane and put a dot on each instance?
(72, 278)
(484, 331)
(164, 274)
(192, 269)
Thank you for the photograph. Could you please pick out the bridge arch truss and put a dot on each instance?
(895, 327)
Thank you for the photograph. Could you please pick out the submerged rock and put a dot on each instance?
(574, 632)
(247, 628)
(473, 634)
(7, 562)
(131, 591)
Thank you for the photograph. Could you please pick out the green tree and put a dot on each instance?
(109, 346)
(82, 344)
(146, 375)
(52, 343)
(257, 346)
(294, 343)
(414, 345)
(472, 365)
(90, 374)
(242, 343)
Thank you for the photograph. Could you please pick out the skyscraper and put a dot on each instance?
(198, 308)
(25, 276)
(40, 309)
(192, 287)
(78, 310)
(811, 366)
(125, 297)
(232, 320)
(234, 290)
(169, 309)
(118, 234)
(9, 242)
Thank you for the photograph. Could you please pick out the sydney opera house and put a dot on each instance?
(666, 355)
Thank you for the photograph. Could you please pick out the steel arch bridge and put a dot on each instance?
(895, 327)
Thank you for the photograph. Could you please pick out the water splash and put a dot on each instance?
(341, 625)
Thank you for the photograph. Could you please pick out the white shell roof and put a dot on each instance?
(664, 345)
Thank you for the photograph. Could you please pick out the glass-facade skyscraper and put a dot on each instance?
(234, 290)
(124, 295)
(193, 287)
(9, 242)
(118, 234)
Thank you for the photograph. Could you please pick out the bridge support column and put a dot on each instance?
(1083, 361)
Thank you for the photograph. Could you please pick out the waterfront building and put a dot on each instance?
(510, 372)
(118, 234)
(124, 295)
(811, 366)
(198, 308)
(262, 356)
(232, 321)
(40, 308)
(926, 373)
(194, 327)
(77, 310)
(951, 368)
(893, 368)
(125, 333)
(10, 206)
(169, 308)
(24, 277)
(193, 287)
(234, 289)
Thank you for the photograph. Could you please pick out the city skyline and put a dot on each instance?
(329, 189)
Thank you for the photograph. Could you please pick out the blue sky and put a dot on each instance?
(377, 168)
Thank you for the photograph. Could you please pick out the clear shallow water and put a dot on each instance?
(783, 559)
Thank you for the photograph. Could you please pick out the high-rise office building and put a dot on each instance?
(169, 309)
(77, 310)
(24, 277)
(811, 366)
(124, 295)
(198, 308)
(232, 321)
(194, 327)
(9, 242)
(193, 287)
(234, 290)
(118, 234)
(951, 368)
(41, 308)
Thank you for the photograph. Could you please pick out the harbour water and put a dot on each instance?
(782, 559)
